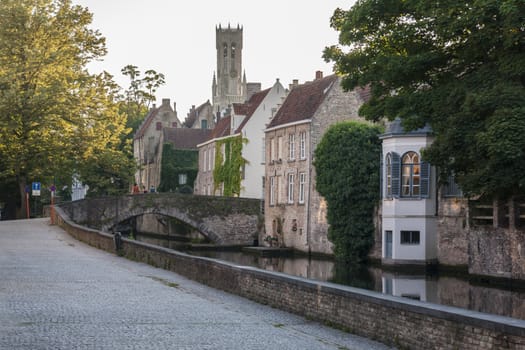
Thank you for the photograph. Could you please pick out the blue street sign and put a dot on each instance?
(35, 186)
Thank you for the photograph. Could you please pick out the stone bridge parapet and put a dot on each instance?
(224, 220)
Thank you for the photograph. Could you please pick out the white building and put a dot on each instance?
(409, 217)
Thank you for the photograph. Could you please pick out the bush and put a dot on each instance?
(347, 162)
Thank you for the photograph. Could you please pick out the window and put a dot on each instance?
(225, 50)
(272, 149)
(410, 175)
(159, 126)
(302, 145)
(280, 148)
(209, 159)
(272, 190)
(302, 183)
(205, 160)
(174, 124)
(183, 178)
(233, 51)
(204, 124)
(291, 180)
(388, 175)
(291, 146)
(410, 237)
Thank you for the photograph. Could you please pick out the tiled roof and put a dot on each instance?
(222, 128)
(185, 138)
(146, 123)
(193, 113)
(240, 108)
(302, 101)
(251, 106)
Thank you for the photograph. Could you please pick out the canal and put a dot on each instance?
(454, 290)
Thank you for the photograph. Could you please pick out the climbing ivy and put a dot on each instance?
(347, 164)
(228, 166)
(175, 162)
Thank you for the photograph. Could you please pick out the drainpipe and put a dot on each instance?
(308, 238)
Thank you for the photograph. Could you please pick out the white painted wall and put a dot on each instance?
(253, 130)
(410, 214)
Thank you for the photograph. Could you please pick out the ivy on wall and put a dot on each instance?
(347, 162)
(228, 166)
(174, 163)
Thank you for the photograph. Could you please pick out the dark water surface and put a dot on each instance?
(424, 286)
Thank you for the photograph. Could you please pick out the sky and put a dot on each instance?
(282, 39)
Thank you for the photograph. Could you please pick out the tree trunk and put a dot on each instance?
(23, 210)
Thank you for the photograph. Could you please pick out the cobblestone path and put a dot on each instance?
(58, 293)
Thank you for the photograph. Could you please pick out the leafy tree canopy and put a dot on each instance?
(457, 65)
(347, 167)
(55, 117)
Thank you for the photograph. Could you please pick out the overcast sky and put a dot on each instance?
(282, 39)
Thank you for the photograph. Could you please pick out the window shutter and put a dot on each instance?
(425, 180)
(381, 171)
(396, 175)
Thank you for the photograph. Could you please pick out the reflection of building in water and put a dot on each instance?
(412, 287)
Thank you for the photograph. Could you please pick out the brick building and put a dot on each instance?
(295, 213)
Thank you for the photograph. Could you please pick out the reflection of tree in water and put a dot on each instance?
(355, 275)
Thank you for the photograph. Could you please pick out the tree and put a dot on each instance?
(458, 66)
(140, 94)
(54, 115)
(347, 167)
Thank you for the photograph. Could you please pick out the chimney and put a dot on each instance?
(318, 75)
(166, 102)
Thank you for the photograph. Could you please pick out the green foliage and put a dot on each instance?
(55, 117)
(228, 168)
(175, 162)
(139, 95)
(347, 167)
(457, 65)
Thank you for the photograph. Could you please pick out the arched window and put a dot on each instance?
(233, 51)
(225, 50)
(410, 175)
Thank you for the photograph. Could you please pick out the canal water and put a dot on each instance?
(427, 286)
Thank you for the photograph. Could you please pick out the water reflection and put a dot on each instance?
(427, 287)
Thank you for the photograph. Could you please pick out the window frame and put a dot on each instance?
(291, 187)
(410, 237)
(302, 145)
(302, 186)
(291, 146)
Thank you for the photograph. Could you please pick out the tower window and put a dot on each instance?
(233, 50)
(225, 50)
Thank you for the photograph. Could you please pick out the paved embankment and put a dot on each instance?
(58, 293)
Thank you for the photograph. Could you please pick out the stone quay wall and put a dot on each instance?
(403, 323)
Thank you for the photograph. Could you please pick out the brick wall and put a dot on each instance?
(399, 322)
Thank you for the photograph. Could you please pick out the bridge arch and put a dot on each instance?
(224, 220)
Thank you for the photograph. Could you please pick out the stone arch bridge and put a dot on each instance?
(223, 220)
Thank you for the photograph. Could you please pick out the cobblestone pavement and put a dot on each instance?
(58, 293)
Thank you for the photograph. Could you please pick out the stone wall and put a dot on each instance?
(399, 322)
(223, 220)
(453, 232)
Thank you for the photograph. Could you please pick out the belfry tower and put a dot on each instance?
(229, 86)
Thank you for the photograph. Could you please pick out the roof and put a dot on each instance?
(146, 123)
(303, 101)
(251, 106)
(395, 127)
(194, 113)
(222, 128)
(185, 138)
